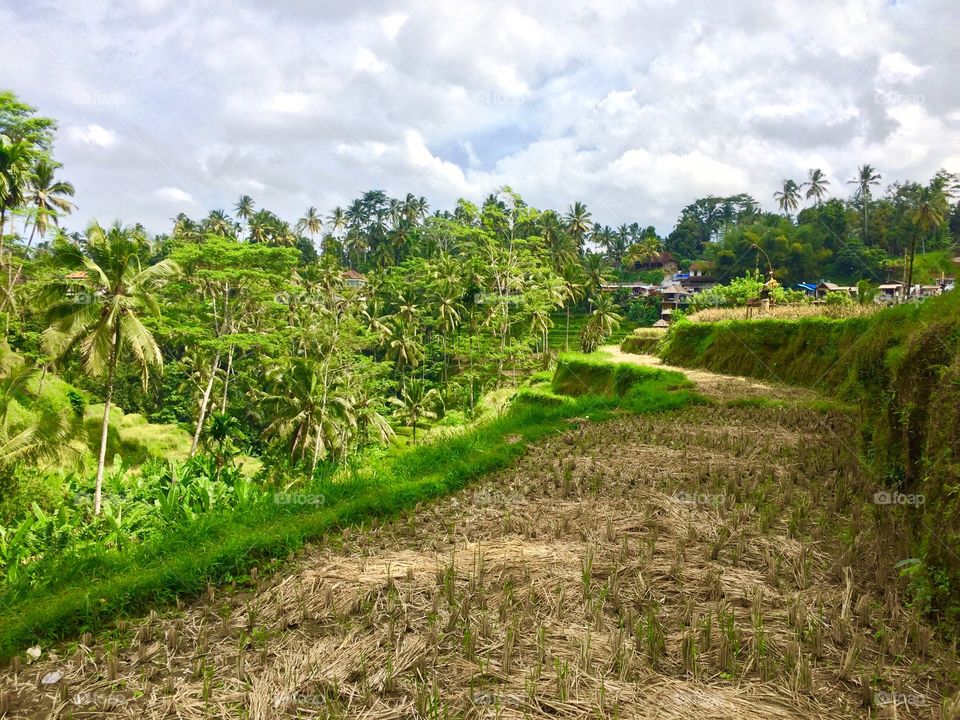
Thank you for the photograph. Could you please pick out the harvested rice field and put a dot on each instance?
(717, 562)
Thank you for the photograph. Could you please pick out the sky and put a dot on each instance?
(635, 108)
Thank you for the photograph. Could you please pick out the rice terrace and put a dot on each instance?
(673, 433)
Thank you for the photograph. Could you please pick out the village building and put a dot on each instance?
(661, 261)
(354, 279)
(824, 287)
(701, 275)
(890, 292)
(675, 296)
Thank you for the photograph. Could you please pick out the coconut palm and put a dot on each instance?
(416, 402)
(16, 160)
(338, 220)
(104, 320)
(788, 198)
(559, 244)
(310, 222)
(867, 176)
(928, 212)
(577, 222)
(816, 185)
(597, 271)
(219, 223)
(243, 208)
(644, 250)
(47, 195)
(603, 320)
(308, 409)
(402, 346)
(448, 318)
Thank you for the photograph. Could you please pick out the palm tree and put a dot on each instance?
(244, 208)
(402, 346)
(866, 176)
(577, 222)
(104, 321)
(597, 270)
(416, 402)
(48, 195)
(928, 213)
(219, 223)
(560, 248)
(307, 408)
(603, 320)
(16, 159)
(337, 220)
(310, 222)
(43, 438)
(448, 319)
(816, 185)
(644, 250)
(788, 198)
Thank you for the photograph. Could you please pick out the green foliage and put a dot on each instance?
(838, 297)
(739, 290)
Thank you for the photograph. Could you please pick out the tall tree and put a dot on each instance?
(104, 322)
(577, 222)
(928, 212)
(310, 223)
(788, 197)
(867, 177)
(816, 185)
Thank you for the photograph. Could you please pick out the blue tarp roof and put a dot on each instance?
(809, 287)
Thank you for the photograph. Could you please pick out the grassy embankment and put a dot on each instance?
(558, 332)
(902, 367)
(81, 592)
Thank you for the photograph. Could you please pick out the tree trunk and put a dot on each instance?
(105, 427)
(204, 405)
(566, 335)
(913, 252)
(226, 381)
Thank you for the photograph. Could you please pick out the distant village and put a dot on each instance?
(678, 288)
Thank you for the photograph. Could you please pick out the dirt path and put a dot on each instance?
(715, 385)
(679, 567)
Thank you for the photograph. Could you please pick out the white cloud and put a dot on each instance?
(92, 135)
(175, 196)
(636, 109)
